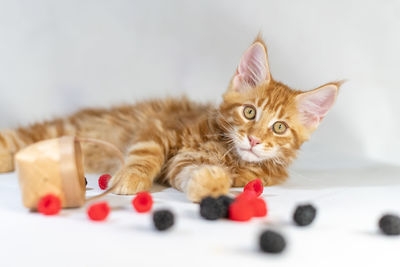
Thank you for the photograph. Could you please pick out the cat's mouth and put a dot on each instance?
(249, 151)
(255, 155)
(249, 155)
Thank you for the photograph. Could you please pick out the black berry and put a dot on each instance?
(304, 215)
(390, 224)
(225, 202)
(211, 209)
(163, 219)
(272, 242)
(85, 181)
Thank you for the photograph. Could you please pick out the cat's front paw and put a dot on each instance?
(206, 181)
(6, 161)
(129, 182)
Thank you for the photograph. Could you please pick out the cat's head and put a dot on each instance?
(264, 119)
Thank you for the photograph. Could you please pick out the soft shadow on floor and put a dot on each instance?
(377, 174)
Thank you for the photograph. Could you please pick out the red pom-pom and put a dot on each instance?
(259, 207)
(98, 211)
(103, 181)
(142, 202)
(256, 186)
(247, 196)
(49, 205)
(240, 211)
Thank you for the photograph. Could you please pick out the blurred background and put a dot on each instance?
(59, 56)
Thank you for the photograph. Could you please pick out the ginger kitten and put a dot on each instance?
(198, 149)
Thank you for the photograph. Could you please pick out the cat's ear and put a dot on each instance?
(314, 105)
(253, 68)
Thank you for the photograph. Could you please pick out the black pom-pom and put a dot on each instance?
(225, 202)
(272, 242)
(390, 224)
(211, 209)
(163, 219)
(304, 215)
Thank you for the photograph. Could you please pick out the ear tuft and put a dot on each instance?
(314, 105)
(253, 68)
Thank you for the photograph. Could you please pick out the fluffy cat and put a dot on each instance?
(198, 149)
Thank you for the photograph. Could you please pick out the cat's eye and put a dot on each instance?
(249, 112)
(279, 127)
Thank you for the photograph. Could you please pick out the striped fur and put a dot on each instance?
(190, 146)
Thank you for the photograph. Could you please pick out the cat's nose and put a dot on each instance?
(253, 140)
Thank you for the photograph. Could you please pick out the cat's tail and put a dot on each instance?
(11, 141)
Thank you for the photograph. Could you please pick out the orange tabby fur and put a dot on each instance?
(188, 145)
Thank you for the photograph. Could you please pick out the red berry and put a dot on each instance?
(259, 207)
(98, 211)
(247, 196)
(240, 211)
(103, 181)
(49, 205)
(256, 186)
(142, 202)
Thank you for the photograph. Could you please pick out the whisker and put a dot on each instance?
(226, 153)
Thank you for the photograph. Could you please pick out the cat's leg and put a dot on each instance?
(86, 123)
(143, 162)
(9, 144)
(197, 177)
(13, 140)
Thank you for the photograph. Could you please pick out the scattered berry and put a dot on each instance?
(98, 211)
(142, 202)
(247, 196)
(390, 224)
(49, 204)
(272, 242)
(225, 202)
(211, 208)
(256, 186)
(304, 215)
(240, 211)
(163, 219)
(259, 207)
(103, 181)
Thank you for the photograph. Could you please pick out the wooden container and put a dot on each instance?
(54, 166)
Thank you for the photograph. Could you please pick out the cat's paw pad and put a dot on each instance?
(208, 181)
(6, 161)
(129, 183)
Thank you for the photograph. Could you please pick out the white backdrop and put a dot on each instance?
(59, 56)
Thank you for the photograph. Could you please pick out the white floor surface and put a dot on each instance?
(345, 233)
